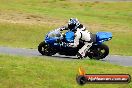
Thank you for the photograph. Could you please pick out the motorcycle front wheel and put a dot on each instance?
(46, 49)
(98, 52)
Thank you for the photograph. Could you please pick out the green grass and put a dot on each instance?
(18, 35)
(24, 23)
(46, 72)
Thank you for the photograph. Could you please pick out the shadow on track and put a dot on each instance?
(70, 57)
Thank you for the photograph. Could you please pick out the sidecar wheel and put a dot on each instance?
(98, 52)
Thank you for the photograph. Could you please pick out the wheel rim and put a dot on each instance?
(101, 51)
(97, 53)
(45, 49)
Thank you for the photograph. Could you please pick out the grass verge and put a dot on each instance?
(46, 72)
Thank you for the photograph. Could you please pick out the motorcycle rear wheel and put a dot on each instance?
(98, 52)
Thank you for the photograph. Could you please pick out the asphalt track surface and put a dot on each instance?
(114, 59)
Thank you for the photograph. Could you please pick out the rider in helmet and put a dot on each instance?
(74, 24)
(80, 33)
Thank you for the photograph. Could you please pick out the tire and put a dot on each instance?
(45, 49)
(41, 48)
(98, 52)
(81, 80)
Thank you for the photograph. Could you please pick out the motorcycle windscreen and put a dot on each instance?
(52, 37)
(103, 36)
(69, 37)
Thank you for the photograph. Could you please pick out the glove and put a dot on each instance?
(63, 28)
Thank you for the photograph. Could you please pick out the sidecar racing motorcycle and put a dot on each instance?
(59, 44)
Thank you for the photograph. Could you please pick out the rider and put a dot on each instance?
(80, 34)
